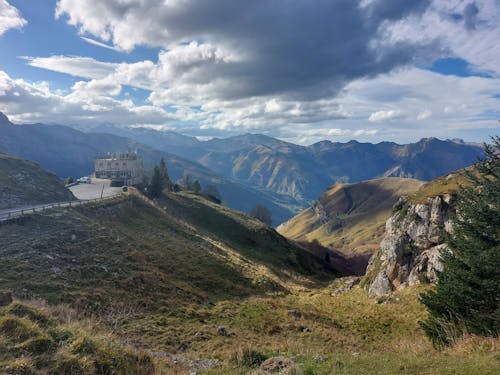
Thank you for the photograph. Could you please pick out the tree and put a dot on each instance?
(212, 193)
(187, 182)
(466, 298)
(262, 213)
(196, 187)
(156, 185)
(165, 179)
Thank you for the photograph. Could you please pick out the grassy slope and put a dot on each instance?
(24, 182)
(166, 277)
(130, 249)
(356, 214)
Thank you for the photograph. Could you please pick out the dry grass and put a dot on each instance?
(356, 214)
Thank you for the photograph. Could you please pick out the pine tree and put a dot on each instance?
(165, 179)
(466, 298)
(197, 187)
(156, 185)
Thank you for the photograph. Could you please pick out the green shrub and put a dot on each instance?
(248, 358)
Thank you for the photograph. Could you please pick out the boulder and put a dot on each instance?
(276, 364)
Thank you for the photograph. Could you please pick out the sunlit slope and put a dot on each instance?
(350, 216)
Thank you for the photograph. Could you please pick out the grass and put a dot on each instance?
(23, 182)
(356, 214)
(164, 276)
(30, 345)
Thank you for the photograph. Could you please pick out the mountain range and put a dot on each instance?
(304, 172)
(248, 169)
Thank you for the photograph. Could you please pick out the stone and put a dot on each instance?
(5, 299)
(276, 364)
(413, 241)
(380, 286)
(222, 331)
(295, 313)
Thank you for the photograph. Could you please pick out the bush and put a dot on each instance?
(248, 358)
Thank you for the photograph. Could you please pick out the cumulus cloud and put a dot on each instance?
(10, 18)
(87, 103)
(254, 48)
(385, 115)
(424, 115)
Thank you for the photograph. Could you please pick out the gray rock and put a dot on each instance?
(276, 364)
(380, 286)
(413, 241)
(295, 313)
(222, 331)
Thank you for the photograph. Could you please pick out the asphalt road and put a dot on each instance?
(82, 192)
(94, 189)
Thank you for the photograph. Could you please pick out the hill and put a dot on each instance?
(130, 249)
(24, 183)
(302, 173)
(69, 152)
(202, 289)
(350, 217)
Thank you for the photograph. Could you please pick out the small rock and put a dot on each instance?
(295, 313)
(275, 364)
(222, 331)
(319, 358)
(5, 299)
(73, 237)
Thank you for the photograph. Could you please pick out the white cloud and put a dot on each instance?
(424, 115)
(473, 39)
(88, 103)
(99, 44)
(385, 115)
(85, 67)
(10, 18)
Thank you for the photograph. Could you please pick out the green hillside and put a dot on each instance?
(350, 217)
(130, 249)
(23, 183)
(202, 289)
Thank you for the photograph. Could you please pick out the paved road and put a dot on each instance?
(94, 189)
(83, 192)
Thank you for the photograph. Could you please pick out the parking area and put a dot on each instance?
(95, 189)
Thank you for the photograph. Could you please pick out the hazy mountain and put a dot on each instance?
(303, 173)
(70, 152)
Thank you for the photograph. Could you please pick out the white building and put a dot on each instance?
(123, 168)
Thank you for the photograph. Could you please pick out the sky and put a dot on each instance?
(299, 70)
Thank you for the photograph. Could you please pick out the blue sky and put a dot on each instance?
(371, 70)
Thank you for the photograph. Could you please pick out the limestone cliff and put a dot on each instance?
(410, 250)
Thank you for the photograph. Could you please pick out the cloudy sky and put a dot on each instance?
(299, 70)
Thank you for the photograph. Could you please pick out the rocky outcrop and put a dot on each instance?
(410, 250)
